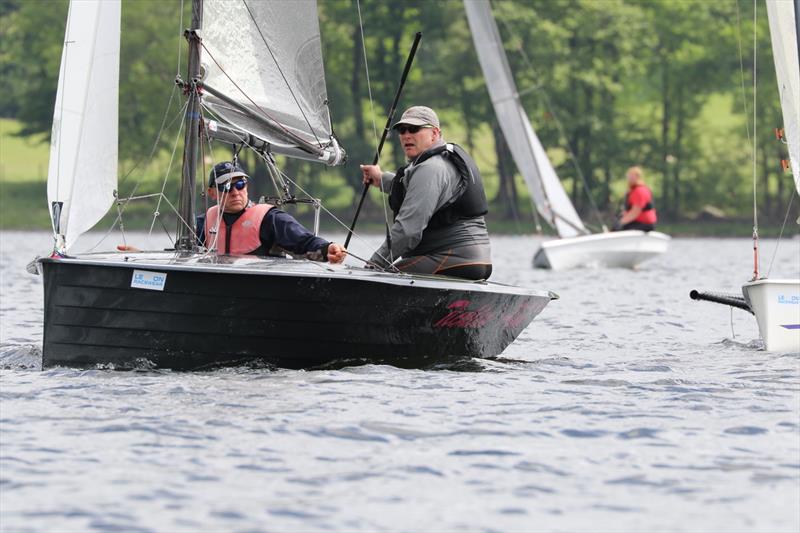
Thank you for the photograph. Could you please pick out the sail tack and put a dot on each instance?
(266, 55)
(783, 21)
(549, 196)
(82, 174)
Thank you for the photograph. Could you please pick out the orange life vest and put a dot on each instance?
(245, 233)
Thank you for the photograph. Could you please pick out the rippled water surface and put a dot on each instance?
(624, 407)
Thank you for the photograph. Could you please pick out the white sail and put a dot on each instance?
(266, 55)
(783, 32)
(82, 175)
(548, 194)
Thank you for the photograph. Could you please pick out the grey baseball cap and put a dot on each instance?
(419, 115)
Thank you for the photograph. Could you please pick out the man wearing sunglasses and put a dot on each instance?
(438, 204)
(249, 228)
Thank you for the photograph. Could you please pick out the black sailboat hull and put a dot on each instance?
(193, 315)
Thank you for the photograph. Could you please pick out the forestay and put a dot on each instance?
(549, 196)
(783, 32)
(267, 56)
(82, 174)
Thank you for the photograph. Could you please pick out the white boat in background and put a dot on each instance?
(776, 302)
(623, 249)
(776, 306)
(576, 245)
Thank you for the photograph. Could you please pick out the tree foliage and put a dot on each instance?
(607, 84)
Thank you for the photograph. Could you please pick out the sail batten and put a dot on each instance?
(266, 56)
(783, 20)
(82, 173)
(548, 195)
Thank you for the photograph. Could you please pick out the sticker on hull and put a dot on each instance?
(144, 279)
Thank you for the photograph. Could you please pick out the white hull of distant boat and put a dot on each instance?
(576, 247)
(776, 305)
(618, 249)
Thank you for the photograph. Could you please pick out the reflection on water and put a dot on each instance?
(625, 406)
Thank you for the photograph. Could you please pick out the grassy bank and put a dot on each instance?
(23, 204)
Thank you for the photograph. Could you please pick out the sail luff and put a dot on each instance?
(82, 173)
(783, 26)
(549, 196)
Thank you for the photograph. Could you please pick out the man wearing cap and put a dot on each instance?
(438, 204)
(249, 228)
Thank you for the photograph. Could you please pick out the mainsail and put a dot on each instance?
(783, 27)
(549, 196)
(265, 56)
(82, 175)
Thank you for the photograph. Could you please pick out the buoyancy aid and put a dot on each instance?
(469, 201)
(647, 207)
(242, 237)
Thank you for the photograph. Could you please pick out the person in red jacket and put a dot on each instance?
(639, 213)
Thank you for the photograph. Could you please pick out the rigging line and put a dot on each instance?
(288, 86)
(372, 111)
(142, 196)
(158, 137)
(741, 72)
(243, 140)
(177, 116)
(121, 211)
(780, 235)
(322, 207)
(334, 217)
(191, 229)
(755, 136)
(180, 41)
(291, 135)
(156, 213)
(210, 246)
(559, 125)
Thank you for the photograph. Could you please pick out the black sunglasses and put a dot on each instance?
(402, 128)
(227, 186)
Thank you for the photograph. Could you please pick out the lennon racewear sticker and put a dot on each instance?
(143, 279)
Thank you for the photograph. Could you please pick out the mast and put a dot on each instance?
(185, 241)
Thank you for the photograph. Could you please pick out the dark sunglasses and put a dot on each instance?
(227, 186)
(401, 129)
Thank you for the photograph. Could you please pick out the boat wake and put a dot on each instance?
(20, 357)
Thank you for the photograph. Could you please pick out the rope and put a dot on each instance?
(783, 226)
(372, 111)
(755, 118)
(283, 175)
(180, 41)
(156, 213)
(121, 211)
(288, 86)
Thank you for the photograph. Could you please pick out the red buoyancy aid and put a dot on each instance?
(642, 195)
(245, 232)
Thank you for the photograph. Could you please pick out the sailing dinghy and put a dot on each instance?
(776, 302)
(576, 245)
(255, 75)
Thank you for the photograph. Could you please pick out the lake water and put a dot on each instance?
(624, 407)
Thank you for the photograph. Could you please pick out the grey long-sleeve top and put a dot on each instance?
(429, 186)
